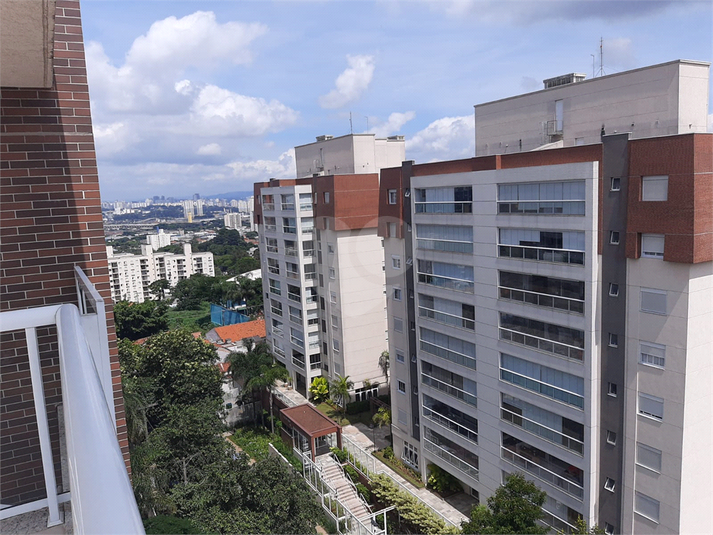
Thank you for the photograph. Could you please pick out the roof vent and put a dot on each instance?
(395, 138)
(565, 79)
(325, 137)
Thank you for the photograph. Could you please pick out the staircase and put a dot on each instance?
(333, 474)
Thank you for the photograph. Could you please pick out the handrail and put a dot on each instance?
(351, 483)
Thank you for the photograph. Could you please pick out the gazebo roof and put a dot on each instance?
(308, 419)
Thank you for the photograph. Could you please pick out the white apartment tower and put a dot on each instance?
(546, 316)
(131, 275)
(322, 265)
(158, 240)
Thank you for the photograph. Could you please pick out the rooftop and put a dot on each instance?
(240, 331)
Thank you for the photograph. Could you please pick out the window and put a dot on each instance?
(392, 231)
(652, 246)
(456, 277)
(332, 273)
(397, 294)
(333, 298)
(613, 289)
(392, 196)
(335, 345)
(548, 292)
(608, 529)
(562, 341)
(448, 347)
(650, 406)
(453, 200)
(613, 340)
(614, 237)
(611, 437)
(615, 184)
(610, 484)
(653, 301)
(396, 262)
(654, 188)
(544, 198)
(648, 457)
(410, 454)
(335, 322)
(326, 197)
(400, 356)
(398, 325)
(646, 506)
(565, 247)
(402, 387)
(402, 416)
(448, 238)
(611, 389)
(651, 354)
(446, 311)
(330, 248)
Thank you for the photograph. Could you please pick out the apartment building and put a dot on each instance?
(131, 275)
(323, 263)
(658, 100)
(544, 311)
(159, 240)
(62, 418)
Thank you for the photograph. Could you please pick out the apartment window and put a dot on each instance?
(611, 389)
(650, 406)
(611, 438)
(652, 246)
(651, 354)
(410, 454)
(646, 506)
(448, 347)
(456, 277)
(566, 247)
(402, 387)
(608, 528)
(654, 188)
(400, 357)
(446, 311)
(648, 457)
(392, 196)
(447, 238)
(333, 298)
(613, 340)
(398, 325)
(397, 294)
(556, 339)
(325, 220)
(453, 200)
(548, 292)
(396, 262)
(336, 345)
(615, 184)
(610, 484)
(613, 290)
(332, 273)
(275, 287)
(326, 197)
(544, 198)
(653, 301)
(613, 237)
(330, 248)
(392, 231)
(403, 416)
(335, 322)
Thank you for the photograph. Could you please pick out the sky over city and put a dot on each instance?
(211, 96)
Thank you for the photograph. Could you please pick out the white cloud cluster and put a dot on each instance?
(443, 139)
(283, 167)
(393, 124)
(351, 83)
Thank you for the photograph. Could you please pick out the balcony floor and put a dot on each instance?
(36, 522)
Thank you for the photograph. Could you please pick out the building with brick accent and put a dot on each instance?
(559, 305)
(54, 281)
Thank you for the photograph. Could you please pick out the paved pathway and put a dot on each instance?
(238, 449)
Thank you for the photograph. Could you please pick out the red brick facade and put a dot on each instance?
(50, 221)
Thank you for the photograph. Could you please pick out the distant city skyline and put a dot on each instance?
(212, 96)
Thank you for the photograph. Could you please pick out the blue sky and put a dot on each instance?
(211, 96)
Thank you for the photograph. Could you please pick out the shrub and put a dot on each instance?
(351, 473)
(341, 454)
(363, 492)
(442, 481)
(355, 407)
(163, 524)
(388, 453)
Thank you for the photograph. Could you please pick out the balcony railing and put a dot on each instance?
(444, 317)
(450, 424)
(299, 342)
(274, 269)
(542, 473)
(547, 433)
(542, 300)
(541, 344)
(299, 363)
(444, 207)
(296, 319)
(289, 230)
(287, 206)
(270, 228)
(293, 275)
(291, 251)
(272, 249)
(100, 492)
(294, 297)
(268, 206)
(450, 390)
(276, 310)
(448, 354)
(305, 206)
(542, 254)
(451, 459)
(457, 285)
(308, 252)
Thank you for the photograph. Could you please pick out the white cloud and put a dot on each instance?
(443, 139)
(351, 83)
(393, 124)
(211, 149)
(256, 170)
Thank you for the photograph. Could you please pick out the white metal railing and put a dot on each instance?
(444, 207)
(542, 473)
(100, 491)
(542, 207)
(270, 228)
(451, 459)
(289, 230)
(545, 389)
(310, 275)
(272, 249)
(296, 319)
(542, 344)
(450, 424)
(542, 254)
(287, 206)
(294, 297)
(448, 354)
(283, 397)
(457, 285)
(445, 317)
(535, 428)
(299, 363)
(567, 304)
(308, 252)
(305, 207)
(450, 390)
(297, 341)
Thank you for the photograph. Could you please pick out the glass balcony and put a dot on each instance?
(541, 344)
(455, 455)
(457, 285)
(542, 254)
(293, 275)
(287, 206)
(449, 390)
(547, 433)
(289, 230)
(294, 297)
(448, 319)
(268, 206)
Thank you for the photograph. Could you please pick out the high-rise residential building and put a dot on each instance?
(233, 221)
(158, 240)
(188, 210)
(131, 275)
(546, 313)
(64, 441)
(323, 267)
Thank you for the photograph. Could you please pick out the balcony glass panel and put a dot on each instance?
(449, 383)
(455, 455)
(450, 200)
(451, 276)
(547, 292)
(450, 418)
(562, 341)
(546, 246)
(448, 347)
(446, 311)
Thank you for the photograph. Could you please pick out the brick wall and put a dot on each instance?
(50, 221)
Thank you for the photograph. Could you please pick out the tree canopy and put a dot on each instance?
(515, 508)
(139, 320)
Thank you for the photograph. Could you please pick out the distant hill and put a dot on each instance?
(237, 195)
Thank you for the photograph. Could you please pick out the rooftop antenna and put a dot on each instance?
(351, 129)
(601, 57)
(593, 72)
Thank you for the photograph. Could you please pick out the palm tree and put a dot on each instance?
(339, 390)
(385, 364)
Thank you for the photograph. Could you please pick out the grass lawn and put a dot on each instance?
(254, 442)
(334, 414)
(194, 320)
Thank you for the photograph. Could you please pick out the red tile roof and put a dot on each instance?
(239, 331)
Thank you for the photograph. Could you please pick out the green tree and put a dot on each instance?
(319, 389)
(138, 320)
(384, 365)
(515, 508)
(339, 390)
(190, 292)
(382, 417)
(581, 528)
(158, 288)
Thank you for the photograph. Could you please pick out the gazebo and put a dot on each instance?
(305, 427)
